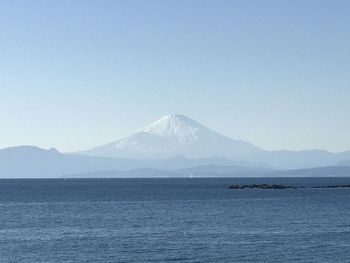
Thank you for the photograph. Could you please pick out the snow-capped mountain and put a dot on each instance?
(174, 135)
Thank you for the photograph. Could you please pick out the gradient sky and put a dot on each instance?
(78, 74)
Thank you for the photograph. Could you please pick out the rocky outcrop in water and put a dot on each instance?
(333, 186)
(259, 186)
(280, 186)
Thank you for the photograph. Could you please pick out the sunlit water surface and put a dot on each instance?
(173, 220)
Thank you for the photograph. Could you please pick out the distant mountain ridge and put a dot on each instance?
(174, 145)
(345, 163)
(219, 171)
(34, 162)
(299, 159)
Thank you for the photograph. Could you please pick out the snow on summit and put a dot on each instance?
(174, 125)
(174, 135)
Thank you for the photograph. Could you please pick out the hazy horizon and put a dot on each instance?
(79, 74)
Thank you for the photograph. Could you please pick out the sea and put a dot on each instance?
(173, 220)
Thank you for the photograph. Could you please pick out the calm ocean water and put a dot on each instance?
(173, 220)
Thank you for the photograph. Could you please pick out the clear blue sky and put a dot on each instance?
(77, 74)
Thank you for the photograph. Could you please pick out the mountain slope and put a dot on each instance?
(174, 135)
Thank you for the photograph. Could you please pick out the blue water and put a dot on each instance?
(173, 220)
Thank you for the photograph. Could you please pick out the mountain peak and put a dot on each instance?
(175, 118)
(171, 125)
(173, 135)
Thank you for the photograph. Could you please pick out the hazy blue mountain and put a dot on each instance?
(136, 173)
(299, 159)
(174, 135)
(34, 162)
(331, 171)
(223, 171)
(219, 171)
(198, 171)
(30, 161)
(180, 162)
(345, 158)
(346, 163)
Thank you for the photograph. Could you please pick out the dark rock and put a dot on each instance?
(280, 186)
(260, 186)
(333, 186)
